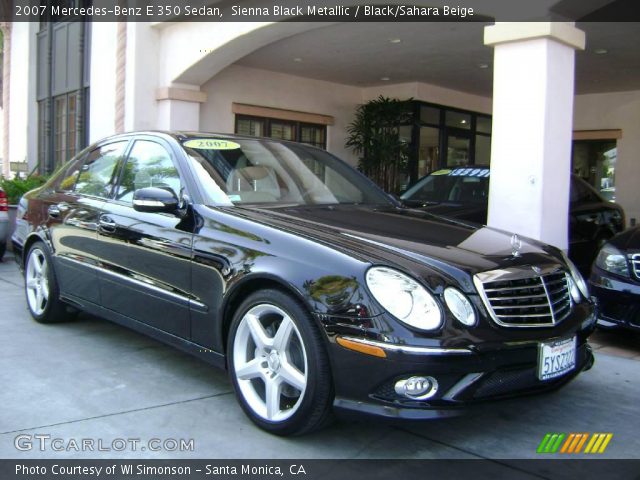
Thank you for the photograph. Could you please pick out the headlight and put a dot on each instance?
(404, 298)
(612, 260)
(460, 306)
(577, 277)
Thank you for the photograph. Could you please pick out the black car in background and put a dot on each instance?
(615, 281)
(463, 193)
(314, 288)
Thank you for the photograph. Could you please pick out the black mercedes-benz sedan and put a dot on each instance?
(615, 281)
(463, 193)
(316, 290)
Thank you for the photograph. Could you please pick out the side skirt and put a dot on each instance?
(207, 355)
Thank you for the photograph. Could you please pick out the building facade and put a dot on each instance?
(513, 104)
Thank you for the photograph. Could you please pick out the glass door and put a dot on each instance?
(457, 148)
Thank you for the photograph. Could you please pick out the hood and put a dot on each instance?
(393, 235)
(466, 212)
(627, 240)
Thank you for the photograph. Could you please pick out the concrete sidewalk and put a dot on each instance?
(91, 379)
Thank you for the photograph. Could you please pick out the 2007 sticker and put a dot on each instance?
(210, 144)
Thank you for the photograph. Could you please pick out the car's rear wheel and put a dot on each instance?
(41, 287)
(3, 249)
(278, 364)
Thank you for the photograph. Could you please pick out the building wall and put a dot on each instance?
(19, 96)
(430, 93)
(270, 89)
(618, 110)
(102, 93)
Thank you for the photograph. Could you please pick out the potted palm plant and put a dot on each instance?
(374, 135)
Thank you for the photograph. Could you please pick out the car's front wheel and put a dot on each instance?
(278, 364)
(41, 287)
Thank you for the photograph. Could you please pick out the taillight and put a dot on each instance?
(4, 204)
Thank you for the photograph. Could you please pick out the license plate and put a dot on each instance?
(556, 358)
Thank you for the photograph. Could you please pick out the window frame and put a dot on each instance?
(116, 170)
(172, 155)
(297, 126)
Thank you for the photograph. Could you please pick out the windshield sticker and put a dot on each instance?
(470, 172)
(441, 172)
(211, 144)
(235, 198)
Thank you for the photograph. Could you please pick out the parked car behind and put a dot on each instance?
(463, 193)
(312, 286)
(615, 281)
(4, 222)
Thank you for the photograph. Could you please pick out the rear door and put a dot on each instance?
(71, 209)
(146, 257)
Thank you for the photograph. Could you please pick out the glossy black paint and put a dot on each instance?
(178, 277)
(592, 220)
(618, 296)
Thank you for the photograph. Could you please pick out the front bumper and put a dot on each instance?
(618, 300)
(365, 384)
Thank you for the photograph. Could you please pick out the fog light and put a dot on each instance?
(417, 388)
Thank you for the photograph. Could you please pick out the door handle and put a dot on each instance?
(56, 210)
(106, 224)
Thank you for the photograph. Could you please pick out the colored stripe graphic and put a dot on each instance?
(572, 443)
(551, 442)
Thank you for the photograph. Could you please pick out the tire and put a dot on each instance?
(41, 287)
(3, 249)
(276, 351)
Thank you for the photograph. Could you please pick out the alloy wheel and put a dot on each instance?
(37, 281)
(270, 362)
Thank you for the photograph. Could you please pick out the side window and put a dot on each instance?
(98, 173)
(66, 179)
(149, 165)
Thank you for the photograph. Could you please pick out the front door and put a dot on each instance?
(146, 260)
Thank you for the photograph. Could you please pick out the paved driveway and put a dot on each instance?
(91, 379)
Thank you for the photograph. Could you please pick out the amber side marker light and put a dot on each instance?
(361, 347)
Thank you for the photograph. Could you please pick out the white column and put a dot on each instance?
(179, 107)
(533, 89)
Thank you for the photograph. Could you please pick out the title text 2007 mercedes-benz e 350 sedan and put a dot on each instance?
(310, 285)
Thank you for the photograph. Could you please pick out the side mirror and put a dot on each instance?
(155, 200)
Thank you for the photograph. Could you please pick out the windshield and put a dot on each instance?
(265, 172)
(461, 185)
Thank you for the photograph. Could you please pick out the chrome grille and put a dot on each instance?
(635, 264)
(524, 297)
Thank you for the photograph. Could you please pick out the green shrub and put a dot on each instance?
(17, 187)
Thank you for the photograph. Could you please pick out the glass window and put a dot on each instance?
(458, 148)
(483, 150)
(313, 135)
(458, 119)
(483, 124)
(268, 172)
(250, 127)
(460, 186)
(282, 130)
(98, 173)
(149, 165)
(429, 151)
(582, 192)
(60, 129)
(310, 133)
(72, 112)
(429, 115)
(594, 161)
